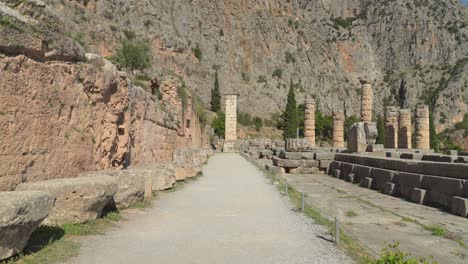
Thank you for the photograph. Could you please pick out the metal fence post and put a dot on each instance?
(337, 231)
(302, 202)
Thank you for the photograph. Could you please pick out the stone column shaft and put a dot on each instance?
(367, 98)
(391, 127)
(338, 129)
(231, 118)
(422, 127)
(404, 134)
(309, 122)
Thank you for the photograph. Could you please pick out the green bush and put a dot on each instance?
(133, 55)
(198, 53)
(289, 57)
(380, 130)
(277, 73)
(349, 121)
(244, 119)
(463, 124)
(258, 122)
(218, 124)
(216, 95)
(290, 115)
(323, 126)
(262, 79)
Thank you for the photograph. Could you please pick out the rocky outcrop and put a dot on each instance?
(60, 119)
(20, 214)
(77, 200)
(131, 182)
(188, 162)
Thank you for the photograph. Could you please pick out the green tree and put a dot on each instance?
(380, 130)
(323, 126)
(290, 118)
(258, 122)
(433, 138)
(216, 96)
(218, 124)
(133, 55)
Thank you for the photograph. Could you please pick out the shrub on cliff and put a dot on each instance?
(380, 130)
(258, 122)
(133, 55)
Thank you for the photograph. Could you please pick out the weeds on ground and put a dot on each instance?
(393, 255)
(351, 213)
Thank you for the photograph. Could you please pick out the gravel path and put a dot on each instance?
(230, 215)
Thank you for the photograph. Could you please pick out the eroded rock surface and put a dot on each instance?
(77, 200)
(20, 214)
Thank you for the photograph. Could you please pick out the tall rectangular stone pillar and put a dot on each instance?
(391, 127)
(231, 123)
(338, 129)
(422, 127)
(309, 122)
(404, 129)
(367, 98)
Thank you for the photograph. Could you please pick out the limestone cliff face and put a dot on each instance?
(413, 51)
(58, 119)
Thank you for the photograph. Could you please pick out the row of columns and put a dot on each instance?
(397, 123)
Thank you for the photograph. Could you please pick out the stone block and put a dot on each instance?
(324, 155)
(367, 183)
(297, 145)
(438, 198)
(294, 163)
(356, 138)
(303, 170)
(411, 156)
(336, 173)
(460, 206)
(265, 154)
(274, 169)
(390, 189)
(381, 177)
(346, 168)
(21, 213)
(362, 172)
(333, 166)
(452, 187)
(77, 199)
(439, 158)
(350, 178)
(297, 155)
(407, 182)
(375, 148)
(324, 165)
(418, 196)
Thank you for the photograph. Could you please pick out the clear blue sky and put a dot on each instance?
(465, 2)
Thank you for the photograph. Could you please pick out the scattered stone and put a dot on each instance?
(460, 206)
(77, 199)
(418, 196)
(297, 145)
(297, 155)
(20, 214)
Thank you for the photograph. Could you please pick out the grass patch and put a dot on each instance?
(141, 205)
(436, 230)
(351, 213)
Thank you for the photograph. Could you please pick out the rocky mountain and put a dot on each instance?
(412, 50)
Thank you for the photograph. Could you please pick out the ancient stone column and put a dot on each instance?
(391, 128)
(404, 131)
(231, 118)
(309, 122)
(338, 129)
(422, 127)
(367, 98)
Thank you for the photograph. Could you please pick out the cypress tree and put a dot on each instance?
(216, 96)
(380, 130)
(290, 115)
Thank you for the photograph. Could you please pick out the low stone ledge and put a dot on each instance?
(77, 199)
(294, 163)
(21, 213)
(297, 155)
